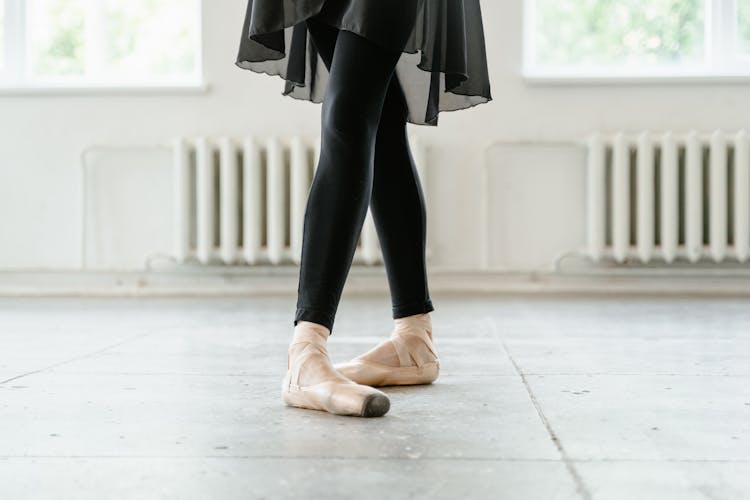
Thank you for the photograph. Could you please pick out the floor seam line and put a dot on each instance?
(76, 358)
(581, 488)
(569, 464)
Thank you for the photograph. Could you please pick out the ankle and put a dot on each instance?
(309, 332)
(304, 324)
(421, 322)
(306, 333)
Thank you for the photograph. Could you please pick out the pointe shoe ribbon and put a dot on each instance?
(316, 343)
(409, 338)
(418, 359)
(326, 389)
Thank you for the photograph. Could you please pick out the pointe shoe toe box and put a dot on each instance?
(338, 398)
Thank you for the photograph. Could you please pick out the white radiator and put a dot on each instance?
(242, 201)
(669, 196)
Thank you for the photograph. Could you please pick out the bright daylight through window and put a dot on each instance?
(82, 43)
(2, 36)
(578, 39)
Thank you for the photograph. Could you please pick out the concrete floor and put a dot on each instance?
(539, 398)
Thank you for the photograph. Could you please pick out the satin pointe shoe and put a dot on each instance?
(408, 357)
(313, 383)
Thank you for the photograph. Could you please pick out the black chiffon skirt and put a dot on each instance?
(442, 68)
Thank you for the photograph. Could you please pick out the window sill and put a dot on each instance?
(96, 90)
(563, 81)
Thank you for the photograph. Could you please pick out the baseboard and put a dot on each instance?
(221, 281)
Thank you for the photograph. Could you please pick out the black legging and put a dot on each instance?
(364, 159)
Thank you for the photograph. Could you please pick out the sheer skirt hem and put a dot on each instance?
(437, 72)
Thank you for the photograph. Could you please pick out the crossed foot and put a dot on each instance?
(408, 357)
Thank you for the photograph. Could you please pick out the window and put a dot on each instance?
(2, 36)
(611, 39)
(743, 26)
(100, 43)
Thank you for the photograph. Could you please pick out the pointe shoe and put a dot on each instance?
(418, 361)
(313, 383)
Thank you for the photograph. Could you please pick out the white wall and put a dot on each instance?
(41, 137)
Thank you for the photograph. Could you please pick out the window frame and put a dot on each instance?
(723, 61)
(15, 74)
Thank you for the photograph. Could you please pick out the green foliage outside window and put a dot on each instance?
(2, 34)
(57, 41)
(119, 40)
(150, 36)
(743, 25)
(620, 32)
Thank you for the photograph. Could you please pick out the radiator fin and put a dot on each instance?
(242, 202)
(669, 197)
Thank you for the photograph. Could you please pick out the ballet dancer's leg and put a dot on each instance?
(360, 72)
(398, 209)
(341, 189)
(397, 201)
